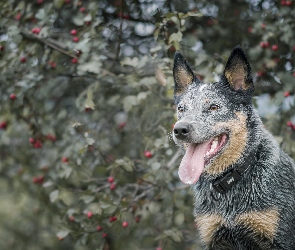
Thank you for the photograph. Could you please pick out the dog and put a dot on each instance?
(243, 183)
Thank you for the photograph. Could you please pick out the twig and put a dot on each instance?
(49, 42)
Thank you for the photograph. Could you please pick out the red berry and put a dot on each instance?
(250, 29)
(74, 60)
(82, 9)
(1, 47)
(18, 16)
(137, 219)
(98, 228)
(289, 124)
(12, 96)
(72, 218)
(293, 127)
(23, 59)
(78, 52)
(286, 94)
(148, 154)
(260, 73)
(60, 238)
(75, 39)
(3, 125)
(39, 1)
(51, 137)
(283, 2)
(65, 160)
(122, 125)
(32, 140)
(113, 186)
(67, 1)
(125, 224)
(159, 248)
(104, 235)
(53, 65)
(263, 26)
(111, 179)
(294, 74)
(275, 47)
(74, 32)
(264, 44)
(37, 144)
(288, 3)
(89, 214)
(112, 219)
(87, 109)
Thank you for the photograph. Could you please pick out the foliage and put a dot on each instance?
(87, 93)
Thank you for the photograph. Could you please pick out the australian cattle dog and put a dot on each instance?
(243, 183)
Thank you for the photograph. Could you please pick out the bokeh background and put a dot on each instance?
(86, 113)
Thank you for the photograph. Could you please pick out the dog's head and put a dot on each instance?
(212, 117)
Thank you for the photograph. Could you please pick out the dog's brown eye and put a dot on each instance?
(180, 108)
(214, 107)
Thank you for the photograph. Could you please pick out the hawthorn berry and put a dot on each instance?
(286, 94)
(74, 60)
(39, 1)
(74, 32)
(65, 160)
(98, 228)
(104, 235)
(111, 179)
(18, 16)
(32, 140)
(82, 9)
(75, 39)
(12, 96)
(148, 154)
(1, 47)
(275, 47)
(289, 124)
(122, 125)
(3, 125)
(23, 59)
(113, 186)
(125, 224)
(37, 144)
(112, 219)
(89, 214)
(72, 218)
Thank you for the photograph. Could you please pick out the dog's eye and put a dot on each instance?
(214, 107)
(180, 108)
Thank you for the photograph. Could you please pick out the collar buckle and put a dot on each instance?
(226, 182)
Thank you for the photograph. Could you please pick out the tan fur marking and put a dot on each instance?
(208, 224)
(183, 80)
(236, 145)
(264, 223)
(237, 77)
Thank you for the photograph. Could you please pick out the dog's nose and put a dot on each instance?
(181, 130)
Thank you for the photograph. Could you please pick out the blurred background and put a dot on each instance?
(86, 113)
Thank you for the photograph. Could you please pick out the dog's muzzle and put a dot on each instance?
(182, 130)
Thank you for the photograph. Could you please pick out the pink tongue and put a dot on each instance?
(192, 163)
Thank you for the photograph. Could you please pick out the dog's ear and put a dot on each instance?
(183, 74)
(238, 71)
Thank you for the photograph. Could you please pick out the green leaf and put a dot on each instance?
(54, 195)
(62, 234)
(87, 198)
(89, 101)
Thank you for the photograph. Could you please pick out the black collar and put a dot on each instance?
(224, 183)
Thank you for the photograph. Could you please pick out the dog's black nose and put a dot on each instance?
(181, 130)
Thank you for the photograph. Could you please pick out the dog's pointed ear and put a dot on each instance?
(238, 71)
(183, 74)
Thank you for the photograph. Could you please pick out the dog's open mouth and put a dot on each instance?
(197, 156)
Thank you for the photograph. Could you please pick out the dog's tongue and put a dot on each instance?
(192, 163)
